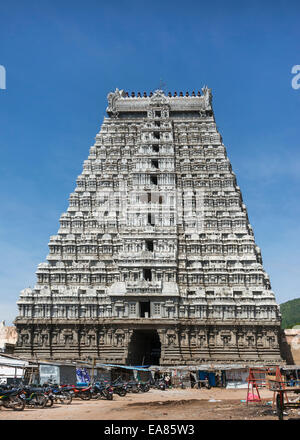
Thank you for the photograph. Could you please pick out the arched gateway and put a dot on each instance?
(144, 348)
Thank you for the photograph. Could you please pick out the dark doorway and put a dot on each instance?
(145, 309)
(144, 348)
(153, 179)
(149, 245)
(151, 219)
(147, 273)
(154, 163)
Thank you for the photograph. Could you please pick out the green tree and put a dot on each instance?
(290, 312)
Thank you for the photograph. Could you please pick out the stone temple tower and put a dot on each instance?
(155, 261)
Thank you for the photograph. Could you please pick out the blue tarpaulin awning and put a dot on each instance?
(122, 366)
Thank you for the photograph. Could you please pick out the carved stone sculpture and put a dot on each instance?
(155, 259)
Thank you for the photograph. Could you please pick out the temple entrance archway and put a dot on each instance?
(144, 348)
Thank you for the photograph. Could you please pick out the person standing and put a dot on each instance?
(192, 379)
(167, 380)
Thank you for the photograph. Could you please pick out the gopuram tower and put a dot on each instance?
(155, 261)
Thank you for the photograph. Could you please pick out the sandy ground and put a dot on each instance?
(173, 404)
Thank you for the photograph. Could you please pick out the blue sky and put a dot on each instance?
(61, 60)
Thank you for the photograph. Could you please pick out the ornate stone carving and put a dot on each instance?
(156, 233)
(207, 96)
(158, 98)
(112, 97)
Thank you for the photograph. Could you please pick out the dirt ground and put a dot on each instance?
(173, 404)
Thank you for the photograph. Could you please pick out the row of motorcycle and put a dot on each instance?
(21, 396)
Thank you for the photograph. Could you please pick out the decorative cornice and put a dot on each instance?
(119, 101)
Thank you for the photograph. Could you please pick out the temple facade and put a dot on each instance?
(155, 261)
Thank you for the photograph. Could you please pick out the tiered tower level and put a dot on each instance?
(155, 260)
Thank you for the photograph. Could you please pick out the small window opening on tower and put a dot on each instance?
(154, 163)
(145, 309)
(155, 148)
(149, 197)
(160, 200)
(147, 273)
(151, 219)
(156, 134)
(149, 245)
(153, 179)
(157, 123)
(157, 113)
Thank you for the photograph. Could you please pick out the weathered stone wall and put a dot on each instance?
(8, 335)
(184, 342)
(291, 346)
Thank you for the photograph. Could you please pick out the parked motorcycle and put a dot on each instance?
(56, 395)
(11, 399)
(159, 384)
(204, 383)
(119, 387)
(100, 390)
(83, 393)
(144, 387)
(132, 387)
(33, 397)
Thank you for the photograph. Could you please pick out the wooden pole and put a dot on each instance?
(94, 363)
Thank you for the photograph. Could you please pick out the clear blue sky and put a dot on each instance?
(63, 57)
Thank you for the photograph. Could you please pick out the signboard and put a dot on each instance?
(49, 374)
